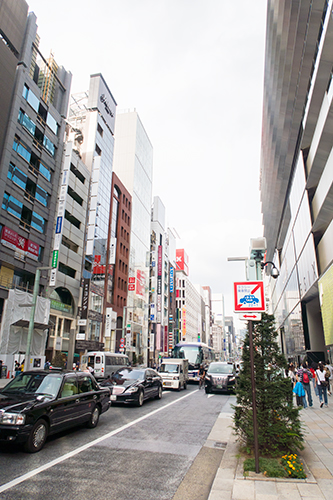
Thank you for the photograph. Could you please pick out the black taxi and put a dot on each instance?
(38, 403)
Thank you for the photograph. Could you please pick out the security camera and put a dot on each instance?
(275, 273)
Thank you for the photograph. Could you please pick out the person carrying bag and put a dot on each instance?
(322, 385)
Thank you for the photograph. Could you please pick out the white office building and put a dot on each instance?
(133, 163)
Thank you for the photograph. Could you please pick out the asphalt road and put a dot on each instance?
(155, 452)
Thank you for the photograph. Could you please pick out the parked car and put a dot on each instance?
(39, 403)
(134, 385)
(220, 377)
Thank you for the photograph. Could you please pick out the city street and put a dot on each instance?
(134, 453)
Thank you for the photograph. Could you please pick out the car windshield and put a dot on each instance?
(220, 368)
(169, 368)
(25, 382)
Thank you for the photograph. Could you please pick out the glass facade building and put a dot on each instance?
(297, 174)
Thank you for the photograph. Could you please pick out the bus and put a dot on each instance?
(197, 353)
(104, 364)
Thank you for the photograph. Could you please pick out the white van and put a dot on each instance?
(174, 372)
(104, 364)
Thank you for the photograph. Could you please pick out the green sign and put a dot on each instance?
(55, 258)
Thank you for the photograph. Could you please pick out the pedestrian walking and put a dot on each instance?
(304, 376)
(322, 384)
(329, 375)
(291, 374)
(313, 368)
(300, 394)
(17, 368)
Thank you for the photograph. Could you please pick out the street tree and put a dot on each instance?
(278, 421)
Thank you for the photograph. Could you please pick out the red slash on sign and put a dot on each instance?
(249, 297)
(255, 289)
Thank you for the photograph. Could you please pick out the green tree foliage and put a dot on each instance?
(57, 360)
(279, 425)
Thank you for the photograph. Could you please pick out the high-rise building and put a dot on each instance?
(220, 339)
(92, 113)
(34, 100)
(133, 164)
(161, 284)
(189, 302)
(116, 283)
(68, 249)
(296, 173)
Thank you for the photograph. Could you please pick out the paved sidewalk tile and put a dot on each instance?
(243, 490)
(326, 486)
(309, 490)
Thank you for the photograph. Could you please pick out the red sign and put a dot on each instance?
(9, 238)
(249, 296)
(131, 288)
(131, 279)
(140, 283)
(32, 249)
(181, 261)
(21, 245)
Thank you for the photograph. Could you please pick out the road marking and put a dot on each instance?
(210, 396)
(72, 453)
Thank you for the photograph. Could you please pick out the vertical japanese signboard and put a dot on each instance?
(61, 213)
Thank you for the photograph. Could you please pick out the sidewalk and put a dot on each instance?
(229, 483)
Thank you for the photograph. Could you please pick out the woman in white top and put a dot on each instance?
(321, 384)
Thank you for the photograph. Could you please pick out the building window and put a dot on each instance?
(30, 97)
(77, 173)
(68, 271)
(73, 220)
(52, 123)
(21, 149)
(75, 196)
(69, 244)
(17, 176)
(12, 205)
(45, 171)
(26, 122)
(41, 195)
(99, 130)
(48, 145)
(98, 150)
(38, 222)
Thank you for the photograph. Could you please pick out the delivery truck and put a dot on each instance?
(174, 372)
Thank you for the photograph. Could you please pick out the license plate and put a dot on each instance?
(113, 397)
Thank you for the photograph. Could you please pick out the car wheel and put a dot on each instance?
(159, 394)
(37, 437)
(94, 418)
(140, 399)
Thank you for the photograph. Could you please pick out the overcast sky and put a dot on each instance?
(193, 69)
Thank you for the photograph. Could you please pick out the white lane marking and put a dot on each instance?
(72, 453)
(210, 396)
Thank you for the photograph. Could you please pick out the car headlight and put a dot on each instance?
(12, 418)
(132, 389)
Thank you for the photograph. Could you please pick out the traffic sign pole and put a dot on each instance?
(254, 405)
